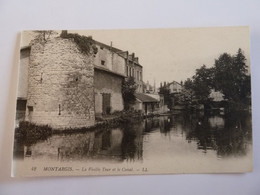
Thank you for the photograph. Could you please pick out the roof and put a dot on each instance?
(25, 47)
(119, 52)
(173, 82)
(108, 71)
(21, 98)
(154, 95)
(107, 46)
(145, 98)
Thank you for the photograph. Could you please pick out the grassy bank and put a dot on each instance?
(30, 133)
(106, 122)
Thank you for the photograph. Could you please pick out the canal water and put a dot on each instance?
(177, 139)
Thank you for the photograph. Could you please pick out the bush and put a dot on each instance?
(86, 44)
(31, 133)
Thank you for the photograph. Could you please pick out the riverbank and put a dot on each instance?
(32, 132)
(207, 138)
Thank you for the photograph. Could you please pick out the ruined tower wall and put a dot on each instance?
(60, 85)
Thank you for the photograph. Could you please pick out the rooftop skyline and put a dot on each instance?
(174, 54)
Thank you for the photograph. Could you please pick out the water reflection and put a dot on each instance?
(132, 141)
(228, 135)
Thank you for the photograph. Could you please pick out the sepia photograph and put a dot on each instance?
(133, 101)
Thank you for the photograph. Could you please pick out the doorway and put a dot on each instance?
(106, 103)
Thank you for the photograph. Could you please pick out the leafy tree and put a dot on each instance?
(202, 83)
(188, 84)
(231, 78)
(165, 91)
(228, 75)
(128, 90)
(188, 91)
(198, 88)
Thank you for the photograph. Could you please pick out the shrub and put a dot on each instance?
(31, 133)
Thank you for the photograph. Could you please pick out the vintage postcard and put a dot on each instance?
(143, 101)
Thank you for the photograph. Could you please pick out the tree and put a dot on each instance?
(188, 91)
(188, 84)
(231, 78)
(243, 78)
(165, 91)
(202, 83)
(228, 75)
(128, 90)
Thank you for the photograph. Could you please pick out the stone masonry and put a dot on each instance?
(60, 85)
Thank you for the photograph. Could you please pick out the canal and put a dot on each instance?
(180, 139)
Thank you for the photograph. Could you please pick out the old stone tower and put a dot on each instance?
(60, 85)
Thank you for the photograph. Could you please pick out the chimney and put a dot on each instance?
(111, 45)
(154, 87)
(127, 57)
(64, 33)
(133, 56)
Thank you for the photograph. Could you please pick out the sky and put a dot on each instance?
(174, 54)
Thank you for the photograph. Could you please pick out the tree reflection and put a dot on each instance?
(165, 124)
(228, 135)
(151, 124)
(132, 141)
(233, 139)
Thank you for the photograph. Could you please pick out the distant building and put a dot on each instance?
(145, 103)
(175, 87)
(175, 92)
(148, 88)
(160, 106)
(216, 96)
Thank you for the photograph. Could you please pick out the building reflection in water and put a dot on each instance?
(227, 135)
(116, 144)
(132, 142)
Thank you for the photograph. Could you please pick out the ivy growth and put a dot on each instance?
(85, 44)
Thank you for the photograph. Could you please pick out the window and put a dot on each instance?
(41, 78)
(103, 62)
(101, 47)
(30, 108)
(59, 110)
(21, 105)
